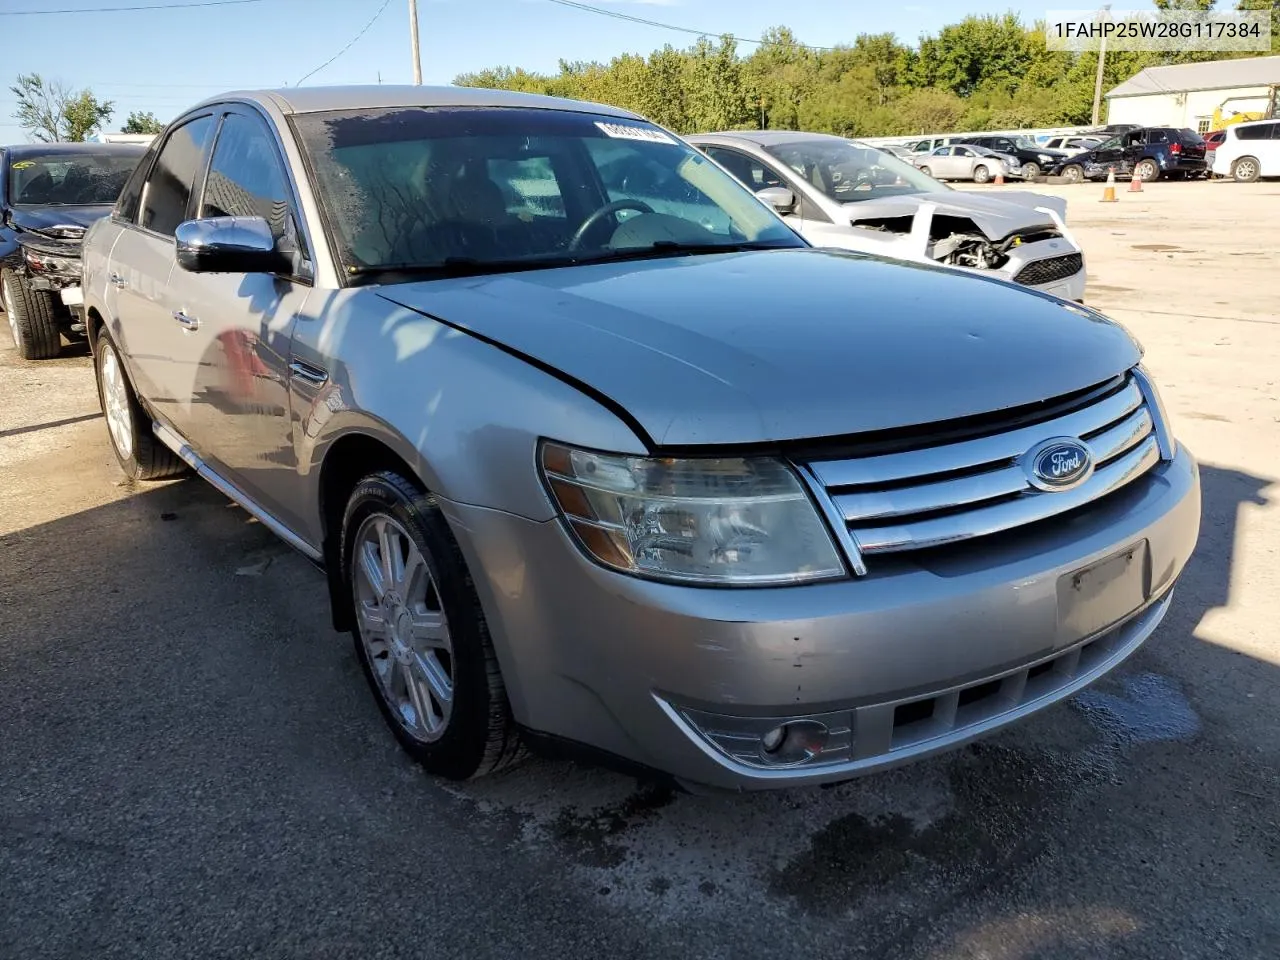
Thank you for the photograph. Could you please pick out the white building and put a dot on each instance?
(1189, 94)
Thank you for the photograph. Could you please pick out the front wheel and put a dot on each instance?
(32, 316)
(1030, 171)
(1147, 171)
(420, 633)
(1246, 170)
(981, 174)
(1073, 174)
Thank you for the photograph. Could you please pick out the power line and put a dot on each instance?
(618, 15)
(159, 6)
(350, 43)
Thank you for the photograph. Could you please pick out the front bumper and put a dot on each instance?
(662, 674)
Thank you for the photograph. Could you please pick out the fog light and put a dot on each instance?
(794, 742)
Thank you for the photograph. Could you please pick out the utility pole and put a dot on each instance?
(1097, 83)
(413, 39)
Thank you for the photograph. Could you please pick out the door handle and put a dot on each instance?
(188, 323)
(304, 371)
(118, 281)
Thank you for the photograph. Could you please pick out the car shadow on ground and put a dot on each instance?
(186, 739)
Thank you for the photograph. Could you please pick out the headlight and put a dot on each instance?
(1045, 158)
(49, 263)
(727, 521)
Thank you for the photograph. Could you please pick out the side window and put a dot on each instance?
(1157, 136)
(1260, 131)
(245, 176)
(168, 189)
(126, 208)
(963, 152)
(753, 174)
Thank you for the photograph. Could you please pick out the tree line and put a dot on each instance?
(51, 112)
(983, 73)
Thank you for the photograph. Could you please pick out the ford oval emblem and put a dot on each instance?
(1058, 464)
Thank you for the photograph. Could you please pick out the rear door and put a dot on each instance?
(141, 315)
(240, 325)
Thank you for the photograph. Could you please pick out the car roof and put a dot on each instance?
(375, 96)
(20, 150)
(767, 138)
(1249, 123)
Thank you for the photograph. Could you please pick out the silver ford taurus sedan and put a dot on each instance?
(596, 451)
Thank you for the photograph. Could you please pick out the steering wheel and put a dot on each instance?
(598, 215)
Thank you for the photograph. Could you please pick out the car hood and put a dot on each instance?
(782, 345)
(59, 222)
(996, 217)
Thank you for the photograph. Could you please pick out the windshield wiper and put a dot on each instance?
(475, 266)
(459, 267)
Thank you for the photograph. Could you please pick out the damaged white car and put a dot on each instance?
(841, 193)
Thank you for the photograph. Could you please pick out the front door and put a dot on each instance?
(141, 264)
(242, 324)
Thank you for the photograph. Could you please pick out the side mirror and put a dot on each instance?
(780, 198)
(229, 245)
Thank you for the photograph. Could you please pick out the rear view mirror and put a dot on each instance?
(229, 245)
(780, 198)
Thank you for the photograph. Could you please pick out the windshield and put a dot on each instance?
(421, 188)
(69, 178)
(1025, 143)
(848, 172)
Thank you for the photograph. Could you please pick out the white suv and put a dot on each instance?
(1251, 150)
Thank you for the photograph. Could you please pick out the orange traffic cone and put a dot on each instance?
(1109, 192)
(999, 178)
(1135, 184)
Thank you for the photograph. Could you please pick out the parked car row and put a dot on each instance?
(599, 453)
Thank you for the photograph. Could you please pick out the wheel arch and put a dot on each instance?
(348, 459)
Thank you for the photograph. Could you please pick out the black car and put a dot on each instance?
(50, 193)
(1146, 152)
(1033, 158)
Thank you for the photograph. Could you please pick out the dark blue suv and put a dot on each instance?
(1146, 152)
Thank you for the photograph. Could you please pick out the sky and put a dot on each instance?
(164, 60)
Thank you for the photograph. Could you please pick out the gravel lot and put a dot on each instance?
(191, 764)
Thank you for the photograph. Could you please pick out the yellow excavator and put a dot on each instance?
(1239, 109)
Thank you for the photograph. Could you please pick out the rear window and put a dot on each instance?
(1190, 138)
(1257, 131)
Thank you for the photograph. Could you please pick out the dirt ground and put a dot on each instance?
(191, 765)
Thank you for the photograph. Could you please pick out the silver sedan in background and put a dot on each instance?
(967, 162)
(595, 450)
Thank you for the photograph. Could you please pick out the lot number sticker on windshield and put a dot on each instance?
(621, 131)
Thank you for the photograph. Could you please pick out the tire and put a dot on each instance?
(1073, 173)
(1030, 170)
(423, 621)
(981, 174)
(925, 171)
(1246, 170)
(32, 316)
(1147, 170)
(139, 452)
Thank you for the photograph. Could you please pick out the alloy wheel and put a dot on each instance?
(403, 627)
(1246, 169)
(115, 396)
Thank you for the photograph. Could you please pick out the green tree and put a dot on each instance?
(50, 112)
(139, 122)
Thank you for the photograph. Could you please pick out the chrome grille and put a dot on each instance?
(952, 491)
(1048, 270)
